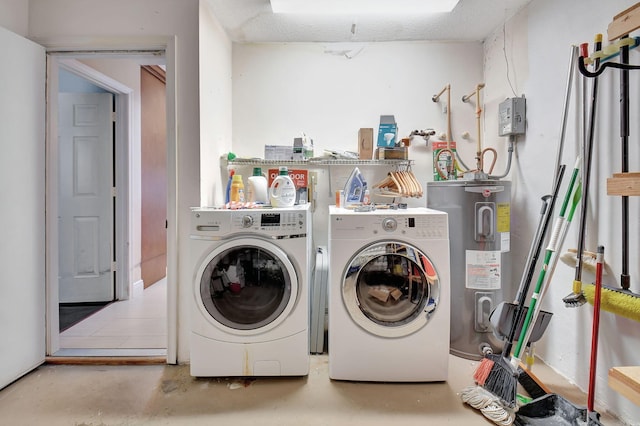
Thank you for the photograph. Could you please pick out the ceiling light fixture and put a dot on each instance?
(362, 7)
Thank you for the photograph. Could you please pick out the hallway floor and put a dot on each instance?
(137, 326)
(167, 395)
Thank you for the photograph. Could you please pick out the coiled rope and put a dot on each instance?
(488, 404)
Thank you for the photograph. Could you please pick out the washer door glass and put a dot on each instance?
(390, 288)
(247, 286)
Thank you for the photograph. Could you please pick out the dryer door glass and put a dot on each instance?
(391, 285)
(245, 287)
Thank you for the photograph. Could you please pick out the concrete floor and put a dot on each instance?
(92, 395)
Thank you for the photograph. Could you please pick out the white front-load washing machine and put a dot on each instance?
(389, 298)
(250, 304)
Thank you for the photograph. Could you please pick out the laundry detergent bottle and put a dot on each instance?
(283, 190)
(237, 189)
(258, 190)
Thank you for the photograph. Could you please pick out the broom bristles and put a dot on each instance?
(618, 302)
(483, 370)
(502, 381)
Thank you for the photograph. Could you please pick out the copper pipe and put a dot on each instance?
(478, 125)
(436, 98)
(450, 167)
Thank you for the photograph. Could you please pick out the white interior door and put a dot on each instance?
(22, 209)
(85, 129)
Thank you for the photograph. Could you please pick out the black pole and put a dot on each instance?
(625, 280)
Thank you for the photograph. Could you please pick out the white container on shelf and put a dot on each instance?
(283, 190)
(258, 191)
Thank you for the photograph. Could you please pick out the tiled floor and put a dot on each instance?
(137, 325)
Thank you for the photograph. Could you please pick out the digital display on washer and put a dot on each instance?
(412, 222)
(270, 219)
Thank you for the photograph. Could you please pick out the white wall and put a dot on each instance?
(537, 48)
(283, 89)
(215, 105)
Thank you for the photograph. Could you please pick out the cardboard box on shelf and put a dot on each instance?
(365, 143)
(399, 153)
(298, 149)
(278, 152)
(388, 131)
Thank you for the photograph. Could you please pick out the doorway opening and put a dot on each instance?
(134, 319)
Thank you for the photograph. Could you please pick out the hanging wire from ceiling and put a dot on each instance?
(504, 51)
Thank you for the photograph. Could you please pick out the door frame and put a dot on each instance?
(58, 55)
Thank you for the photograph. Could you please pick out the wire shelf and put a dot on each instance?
(315, 162)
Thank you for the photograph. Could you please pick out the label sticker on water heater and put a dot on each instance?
(483, 268)
(503, 217)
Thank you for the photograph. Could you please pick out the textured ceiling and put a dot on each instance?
(252, 21)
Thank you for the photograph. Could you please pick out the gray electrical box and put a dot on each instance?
(512, 115)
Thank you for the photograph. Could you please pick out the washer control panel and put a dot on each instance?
(269, 221)
(273, 223)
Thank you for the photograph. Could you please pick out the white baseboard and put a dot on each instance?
(138, 289)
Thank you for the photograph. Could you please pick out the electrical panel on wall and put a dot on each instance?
(512, 117)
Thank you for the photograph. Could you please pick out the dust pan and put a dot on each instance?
(553, 410)
(503, 316)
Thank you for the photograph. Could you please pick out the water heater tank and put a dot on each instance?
(479, 230)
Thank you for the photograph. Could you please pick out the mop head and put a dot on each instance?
(619, 302)
(488, 404)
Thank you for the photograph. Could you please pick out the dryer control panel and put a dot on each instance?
(380, 225)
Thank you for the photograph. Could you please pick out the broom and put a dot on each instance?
(618, 301)
(496, 373)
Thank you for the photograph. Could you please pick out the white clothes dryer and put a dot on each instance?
(389, 298)
(250, 305)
